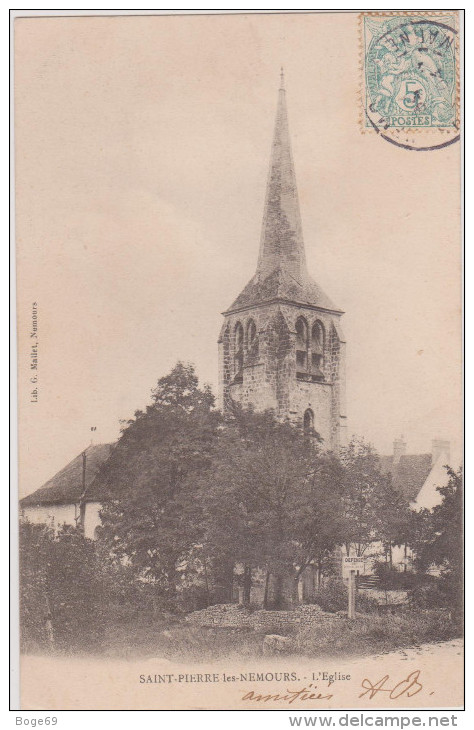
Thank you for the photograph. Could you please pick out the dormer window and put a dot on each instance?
(301, 346)
(317, 350)
(238, 353)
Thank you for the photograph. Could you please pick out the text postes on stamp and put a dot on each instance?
(410, 78)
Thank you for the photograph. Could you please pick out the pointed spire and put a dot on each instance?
(281, 270)
(281, 244)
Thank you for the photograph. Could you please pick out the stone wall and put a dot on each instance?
(269, 377)
(234, 616)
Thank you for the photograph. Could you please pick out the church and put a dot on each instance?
(281, 346)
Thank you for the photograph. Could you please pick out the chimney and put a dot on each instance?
(440, 448)
(399, 449)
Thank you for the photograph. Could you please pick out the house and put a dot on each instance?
(417, 476)
(72, 496)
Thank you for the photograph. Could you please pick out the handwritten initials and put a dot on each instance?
(408, 687)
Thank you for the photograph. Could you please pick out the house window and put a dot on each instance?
(317, 350)
(252, 341)
(238, 353)
(301, 346)
(308, 421)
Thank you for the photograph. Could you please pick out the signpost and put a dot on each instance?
(349, 566)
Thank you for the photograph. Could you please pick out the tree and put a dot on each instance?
(369, 499)
(61, 597)
(151, 518)
(272, 500)
(392, 518)
(437, 540)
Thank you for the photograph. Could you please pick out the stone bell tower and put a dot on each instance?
(281, 345)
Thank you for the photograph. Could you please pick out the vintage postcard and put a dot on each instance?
(238, 245)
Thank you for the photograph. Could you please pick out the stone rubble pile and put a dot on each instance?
(235, 616)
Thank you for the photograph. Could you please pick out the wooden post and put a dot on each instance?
(82, 503)
(247, 585)
(265, 594)
(48, 622)
(351, 595)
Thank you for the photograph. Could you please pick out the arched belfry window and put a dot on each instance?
(308, 421)
(302, 344)
(238, 352)
(317, 350)
(252, 340)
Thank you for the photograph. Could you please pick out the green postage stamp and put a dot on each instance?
(410, 71)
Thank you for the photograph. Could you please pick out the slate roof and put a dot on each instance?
(409, 473)
(281, 270)
(408, 476)
(66, 486)
(282, 286)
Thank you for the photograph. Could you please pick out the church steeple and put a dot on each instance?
(281, 346)
(281, 273)
(281, 244)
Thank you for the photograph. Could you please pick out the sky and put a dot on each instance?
(142, 147)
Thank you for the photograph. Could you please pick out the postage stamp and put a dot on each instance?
(409, 72)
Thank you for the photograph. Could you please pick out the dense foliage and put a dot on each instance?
(152, 518)
(61, 592)
(199, 504)
(437, 538)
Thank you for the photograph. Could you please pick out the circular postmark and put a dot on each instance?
(410, 77)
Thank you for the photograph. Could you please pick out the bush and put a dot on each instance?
(332, 597)
(61, 601)
(193, 597)
(374, 634)
(392, 579)
(442, 592)
(74, 598)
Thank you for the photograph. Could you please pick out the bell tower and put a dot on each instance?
(281, 346)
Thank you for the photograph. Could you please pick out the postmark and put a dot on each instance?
(410, 78)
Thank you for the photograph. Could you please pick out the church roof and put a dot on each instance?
(281, 270)
(281, 285)
(409, 473)
(66, 486)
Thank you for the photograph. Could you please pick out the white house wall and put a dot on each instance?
(92, 519)
(52, 514)
(428, 496)
(65, 514)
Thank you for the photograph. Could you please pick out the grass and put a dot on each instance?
(376, 634)
(146, 636)
(130, 632)
(179, 641)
